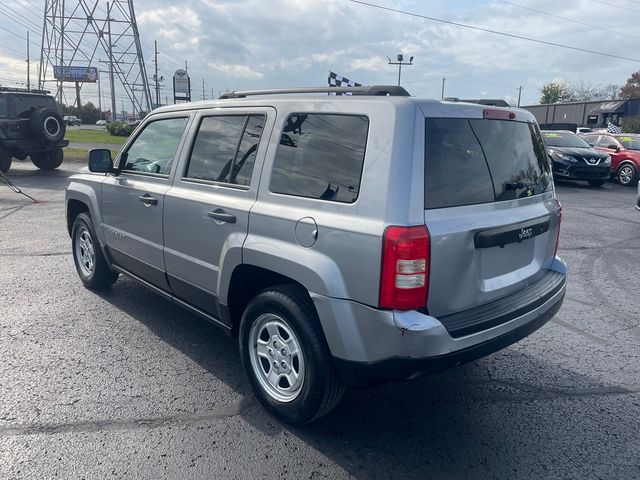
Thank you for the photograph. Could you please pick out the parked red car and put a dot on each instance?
(624, 150)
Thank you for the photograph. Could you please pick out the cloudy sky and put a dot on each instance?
(239, 44)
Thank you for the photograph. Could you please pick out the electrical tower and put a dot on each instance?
(89, 33)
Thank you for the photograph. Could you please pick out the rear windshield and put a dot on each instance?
(470, 161)
(630, 142)
(562, 139)
(25, 104)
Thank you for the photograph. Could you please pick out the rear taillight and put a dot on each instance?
(404, 282)
(555, 252)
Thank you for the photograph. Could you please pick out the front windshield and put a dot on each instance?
(562, 139)
(630, 143)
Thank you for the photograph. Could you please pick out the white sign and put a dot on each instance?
(181, 82)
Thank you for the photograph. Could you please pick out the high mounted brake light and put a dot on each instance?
(491, 114)
(404, 282)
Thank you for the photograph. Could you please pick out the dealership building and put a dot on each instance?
(588, 114)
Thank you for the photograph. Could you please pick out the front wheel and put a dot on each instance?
(286, 356)
(626, 174)
(5, 160)
(90, 262)
(48, 160)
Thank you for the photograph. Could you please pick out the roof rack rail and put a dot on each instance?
(24, 90)
(373, 90)
(492, 102)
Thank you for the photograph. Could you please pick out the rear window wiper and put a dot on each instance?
(519, 185)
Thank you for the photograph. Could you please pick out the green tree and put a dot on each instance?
(630, 124)
(90, 114)
(555, 92)
(632, 87)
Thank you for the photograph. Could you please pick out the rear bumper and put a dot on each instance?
(30, 146)
(373, 346)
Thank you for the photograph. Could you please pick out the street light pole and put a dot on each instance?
(400, 62)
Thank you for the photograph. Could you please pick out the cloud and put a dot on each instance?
(240, 44)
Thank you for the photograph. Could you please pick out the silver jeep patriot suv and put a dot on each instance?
(344, 240)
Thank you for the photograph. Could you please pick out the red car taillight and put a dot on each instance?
(555, 252)
(404, 282)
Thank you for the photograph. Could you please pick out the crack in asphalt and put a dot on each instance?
(90, 426)
(625, 220)
(581, 332)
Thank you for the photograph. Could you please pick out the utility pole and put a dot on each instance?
(519, 94)
(28, 64)
(400, 62)
(443, 80)
(155, 75)
(114, 117)
(60, 92)
(99, 93)
(203, 95)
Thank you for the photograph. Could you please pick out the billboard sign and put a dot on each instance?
(181, 83)
(75, 74)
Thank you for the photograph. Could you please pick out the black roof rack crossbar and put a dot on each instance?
(24, 90)
(373, 90)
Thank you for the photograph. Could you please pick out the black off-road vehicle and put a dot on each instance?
(30, 126)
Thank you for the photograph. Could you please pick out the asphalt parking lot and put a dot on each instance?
(124, 384)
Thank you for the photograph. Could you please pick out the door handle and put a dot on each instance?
(222, 216)
(148, 200)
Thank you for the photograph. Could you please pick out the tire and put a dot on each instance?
(596, 183)
(279, 321)
(48, 160)
(626, 174)
(46, 126)
(90, 263)
(5, 160)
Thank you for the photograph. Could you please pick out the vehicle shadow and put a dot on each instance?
(26, 176)
(510, 415)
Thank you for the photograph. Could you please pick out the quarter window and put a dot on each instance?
(225, 149)
(591, 139)
(321, 156)
(154, 149)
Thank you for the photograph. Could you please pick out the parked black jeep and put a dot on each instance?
(30, 126)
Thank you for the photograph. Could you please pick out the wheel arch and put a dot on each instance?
(246, 281)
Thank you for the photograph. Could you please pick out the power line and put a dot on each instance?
(495, 32)
(29, 21)
(616, 6)
(568, 19)
(12, 49)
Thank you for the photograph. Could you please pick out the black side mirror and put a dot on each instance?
(100, 161)
(613, 146)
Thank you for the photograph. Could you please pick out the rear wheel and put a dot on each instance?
(5, 160)
(286, 356)
(626, 174)
(48, 160)
(596, 183)
(90, 262)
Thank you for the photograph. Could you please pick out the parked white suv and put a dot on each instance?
(344, 240)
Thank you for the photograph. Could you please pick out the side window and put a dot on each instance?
(321, 156)
(605, 141)
(3, 107)
(154, 149)
(225, 148)
(591, 139)
(246, 156)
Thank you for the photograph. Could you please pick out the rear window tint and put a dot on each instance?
(321, 156)
(470, 161)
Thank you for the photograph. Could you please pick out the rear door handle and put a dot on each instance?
(222, 216)
(148, 200)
